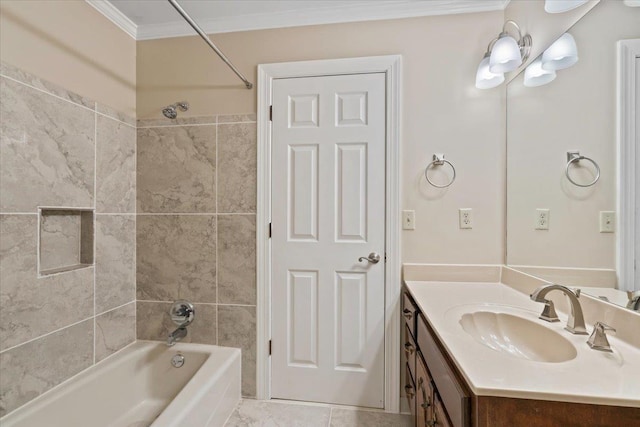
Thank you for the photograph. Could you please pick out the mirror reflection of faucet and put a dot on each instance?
(182, 314)
(634, 300)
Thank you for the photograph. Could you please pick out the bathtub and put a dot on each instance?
(139, 387)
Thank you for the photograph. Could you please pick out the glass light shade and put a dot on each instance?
(535, 75)
(559, 6)
(505, 55)
(485, 79)
(563, 53)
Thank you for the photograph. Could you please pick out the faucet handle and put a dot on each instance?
(598, 339)
(549, 312)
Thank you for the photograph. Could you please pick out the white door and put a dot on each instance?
(328, 210)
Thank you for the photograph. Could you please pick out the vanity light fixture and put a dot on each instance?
(485, 79)
(508, 53)
(563, 53)
(535, 75)
(559, 6)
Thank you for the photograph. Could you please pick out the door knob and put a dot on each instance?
(373, 258)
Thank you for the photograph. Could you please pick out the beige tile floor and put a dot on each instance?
(256, 413)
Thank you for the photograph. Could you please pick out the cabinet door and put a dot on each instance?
(424, 393)
(410, 392)
(440, 418)
(409, 350)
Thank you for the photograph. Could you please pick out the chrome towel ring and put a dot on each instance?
(439, 160)
(575, 157)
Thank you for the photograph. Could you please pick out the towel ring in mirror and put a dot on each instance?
(439, 160)
(575, 157)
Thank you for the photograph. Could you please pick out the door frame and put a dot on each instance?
(628, 50)
(391, 66)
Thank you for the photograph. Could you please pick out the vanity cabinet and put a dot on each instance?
(435, 395)
(439, 396)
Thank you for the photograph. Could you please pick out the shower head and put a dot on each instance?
(171, 112)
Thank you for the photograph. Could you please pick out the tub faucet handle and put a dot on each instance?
(182, 313)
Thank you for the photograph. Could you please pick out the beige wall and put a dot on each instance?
(575, 111)
(442, 110)
(72, 45)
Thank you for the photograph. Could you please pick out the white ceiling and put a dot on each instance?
(151, 19)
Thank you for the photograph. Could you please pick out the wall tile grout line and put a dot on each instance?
(47, 334)
(113, 118)
(176, 126)
(95, 109)
(52, 94)
(199, 303)
(115, 308)
(135, 242)
(18, 213)
(95, 208)
(217, 240)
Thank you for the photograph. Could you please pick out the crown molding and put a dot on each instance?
(114, 15)
(295, 18)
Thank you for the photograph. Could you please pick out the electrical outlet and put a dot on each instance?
(408, 220)
(466, 218)
(542, 219)
(607, 222)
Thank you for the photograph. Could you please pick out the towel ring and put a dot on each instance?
(439, 160)
(575, 157)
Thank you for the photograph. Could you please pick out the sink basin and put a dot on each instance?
(518, 337)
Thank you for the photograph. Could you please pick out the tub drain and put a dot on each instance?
(177, 361)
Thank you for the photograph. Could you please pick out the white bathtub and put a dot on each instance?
(139, 387)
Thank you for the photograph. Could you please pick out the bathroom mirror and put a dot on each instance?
(557, 229)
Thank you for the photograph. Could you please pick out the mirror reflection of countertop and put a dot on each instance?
(591, 376)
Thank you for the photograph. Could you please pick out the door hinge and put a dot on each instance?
(269, 347)
(385, 257)
(270, 230)
(270, 113)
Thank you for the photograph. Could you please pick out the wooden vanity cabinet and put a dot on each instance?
(436, 396)
(440, 397)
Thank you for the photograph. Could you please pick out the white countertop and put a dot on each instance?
(593, 376)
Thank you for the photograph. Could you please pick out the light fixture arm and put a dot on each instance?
(524, 42)
(490, 46)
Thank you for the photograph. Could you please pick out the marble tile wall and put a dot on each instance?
(59, 149)
(196, 230)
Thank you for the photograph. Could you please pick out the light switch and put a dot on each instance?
(607, 221)
(408, 220)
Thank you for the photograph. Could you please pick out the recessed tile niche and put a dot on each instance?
(66, 240)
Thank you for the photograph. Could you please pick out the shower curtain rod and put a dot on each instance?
(204, 36)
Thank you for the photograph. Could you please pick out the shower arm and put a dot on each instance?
(204, 36)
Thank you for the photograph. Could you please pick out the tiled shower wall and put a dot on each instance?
(196, 229)
(59, 149)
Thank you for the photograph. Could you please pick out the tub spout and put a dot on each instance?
(176, 336)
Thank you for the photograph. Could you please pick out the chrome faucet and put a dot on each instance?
(575, 322)
(182, 314)
(598, 339)
(176, 335)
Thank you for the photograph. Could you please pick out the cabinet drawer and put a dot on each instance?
(454, 397)
(409, 312)
(409, 350)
